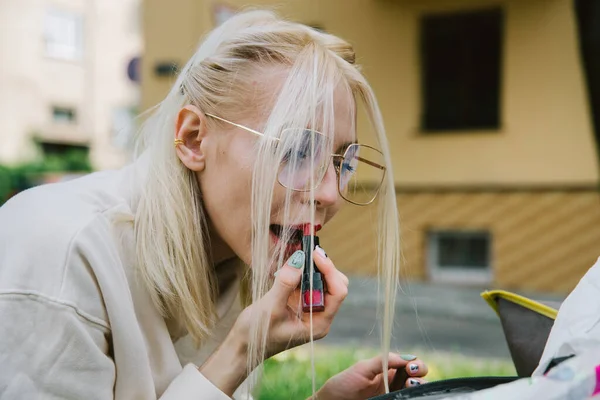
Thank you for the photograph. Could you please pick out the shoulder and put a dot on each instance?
(56, 237)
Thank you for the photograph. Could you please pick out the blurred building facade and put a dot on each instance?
(487, 110)
(64, 79)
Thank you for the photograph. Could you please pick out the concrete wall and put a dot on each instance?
(95, 85)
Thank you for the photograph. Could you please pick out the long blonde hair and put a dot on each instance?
(172, 241)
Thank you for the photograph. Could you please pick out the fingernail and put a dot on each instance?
(296, 260)
(414, 382)
(408, 357)
(276, 272)
(413, 368)
(320, 250)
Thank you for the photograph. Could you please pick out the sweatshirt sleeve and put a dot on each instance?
(49, 351)
(191, 384)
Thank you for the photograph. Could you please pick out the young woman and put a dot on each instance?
(102, 279)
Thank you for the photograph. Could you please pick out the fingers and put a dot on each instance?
(337, 283)
(372, 367)
(416, 368)
(406, 367)
(288, 278)
(344, 278)
(411, 382)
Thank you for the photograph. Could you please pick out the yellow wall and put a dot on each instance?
(546, 135)
(541, 240)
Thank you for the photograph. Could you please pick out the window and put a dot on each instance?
(460, 256)
(63, 115)
(63, 35)
(65, 157)
(461, 62)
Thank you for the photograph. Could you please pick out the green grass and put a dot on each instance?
(288, 375)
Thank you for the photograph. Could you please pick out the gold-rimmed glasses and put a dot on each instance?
(360, 169)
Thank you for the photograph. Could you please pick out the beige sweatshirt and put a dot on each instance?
(75, 323)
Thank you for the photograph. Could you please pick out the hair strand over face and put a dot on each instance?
(170, 224)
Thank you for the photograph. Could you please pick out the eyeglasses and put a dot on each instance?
(360, 170)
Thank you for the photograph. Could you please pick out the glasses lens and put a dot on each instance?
(361, 173)
(305, 162)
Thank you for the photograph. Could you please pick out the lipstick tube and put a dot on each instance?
(316, 299)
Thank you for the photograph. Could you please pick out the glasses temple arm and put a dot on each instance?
(371, 163)
(239, 126)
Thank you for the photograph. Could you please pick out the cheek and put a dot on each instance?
(226, 193)
(231, 176)
(333, 210)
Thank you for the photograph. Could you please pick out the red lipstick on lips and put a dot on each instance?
(314, 300)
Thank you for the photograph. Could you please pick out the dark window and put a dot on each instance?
(65, 157)
(464, 250)
(63, 114)
(588, 15)
(461, 64)
(61, 149)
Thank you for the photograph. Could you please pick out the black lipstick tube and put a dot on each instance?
(316, 299)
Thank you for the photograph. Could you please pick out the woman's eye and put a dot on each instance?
(302, 152)
(301, 155)
(346, 167)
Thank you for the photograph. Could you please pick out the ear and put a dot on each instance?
(190, 130)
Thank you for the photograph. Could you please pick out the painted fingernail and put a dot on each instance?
(413, 368)
(276, 272)
(320, 250)
(296, 260)
(408, 357)
(414, 382)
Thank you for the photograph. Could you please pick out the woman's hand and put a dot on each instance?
(364, 379)
(288, 327)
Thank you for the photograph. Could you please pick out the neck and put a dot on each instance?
(219, 250)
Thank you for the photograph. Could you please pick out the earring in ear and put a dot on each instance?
(177, 142)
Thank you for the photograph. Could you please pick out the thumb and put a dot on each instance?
(288, 277)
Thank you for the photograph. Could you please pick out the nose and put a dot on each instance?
(326, 194)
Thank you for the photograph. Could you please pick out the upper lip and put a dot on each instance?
(300, 227)
(317, 227)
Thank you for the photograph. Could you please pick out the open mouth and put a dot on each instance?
(295, 235)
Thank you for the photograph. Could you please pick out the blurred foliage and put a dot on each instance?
(14, 179)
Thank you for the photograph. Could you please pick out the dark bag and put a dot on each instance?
(526, 324)
(446, 388)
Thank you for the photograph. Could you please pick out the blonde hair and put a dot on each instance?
(172, 242)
